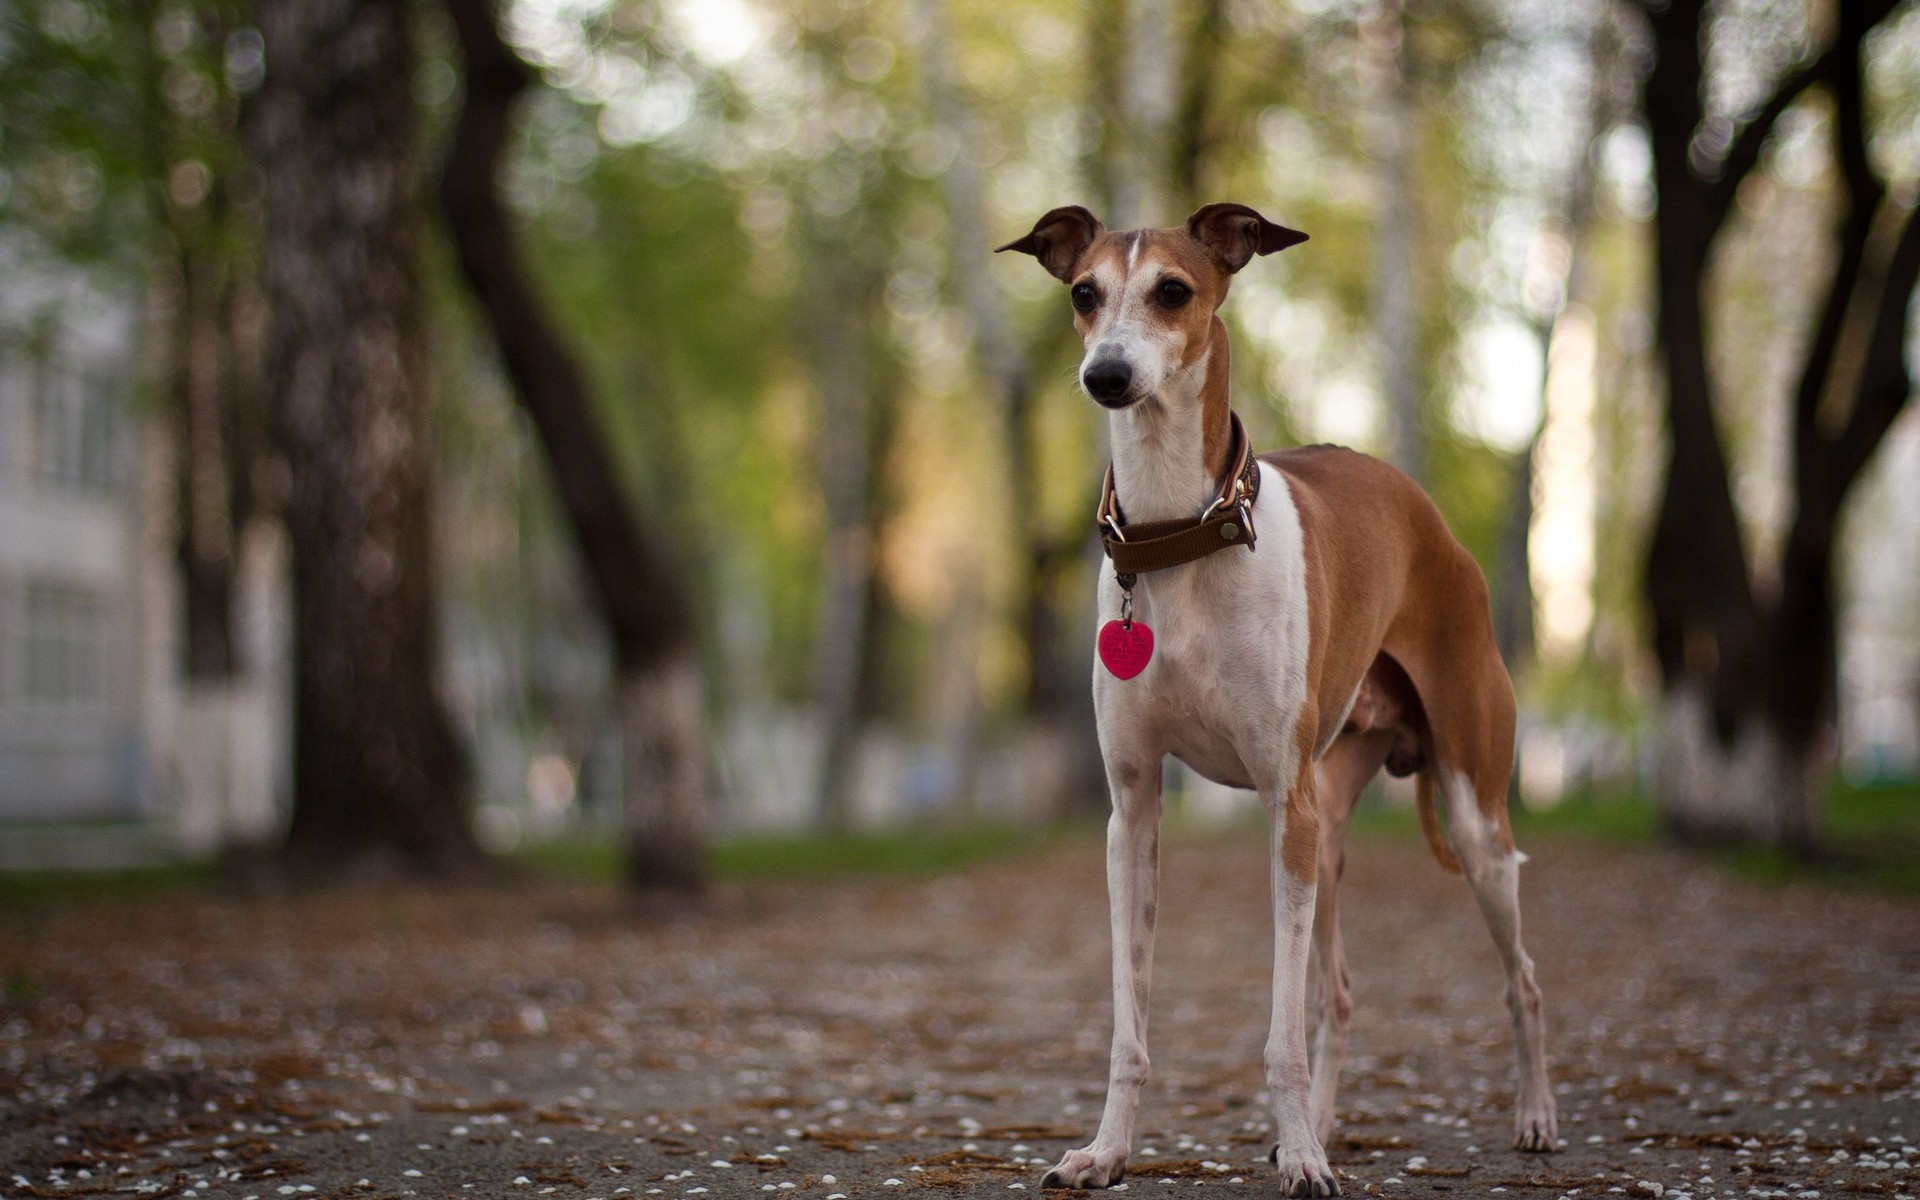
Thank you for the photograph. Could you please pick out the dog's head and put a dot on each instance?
(1144, 299)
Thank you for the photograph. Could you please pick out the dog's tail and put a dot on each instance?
(1430, 822)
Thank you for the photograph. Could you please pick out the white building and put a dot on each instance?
(107, 756)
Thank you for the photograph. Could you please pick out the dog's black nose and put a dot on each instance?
(1107, 380)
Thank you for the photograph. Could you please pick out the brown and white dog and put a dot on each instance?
(1357, 635)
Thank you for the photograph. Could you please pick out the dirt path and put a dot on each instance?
(1708, 1038)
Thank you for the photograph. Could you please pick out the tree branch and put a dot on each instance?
(1744, 154)
(1864, 189)
(1886, 381)
(1830, 66)
(639, 595)
(1864, 194)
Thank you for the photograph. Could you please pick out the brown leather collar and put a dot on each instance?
(1157, 545)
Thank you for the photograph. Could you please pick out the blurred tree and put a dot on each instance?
(1562, 282)
(843, 265)
(203, 61)
(120, 124)
(1000, 359)
(1749, 667)
(377, 773)
(675, 209)
(1056, 718)
(77, 122)
(1103, 36)
(1194, 133)
(661, 698)
(1150, 99)
(1387, 77)
(844, 234)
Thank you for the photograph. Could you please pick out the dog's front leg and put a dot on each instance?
(1133, 885)
(1348, 764)
(1295, 826)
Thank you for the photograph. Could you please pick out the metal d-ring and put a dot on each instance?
(1235, 496)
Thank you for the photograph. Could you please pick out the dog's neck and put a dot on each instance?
(1170, 450)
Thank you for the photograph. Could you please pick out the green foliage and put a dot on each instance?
(76, 117)
(117, 120)
(1472, 484)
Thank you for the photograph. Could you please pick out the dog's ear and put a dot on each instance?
(1234, 233)
(1059, 239)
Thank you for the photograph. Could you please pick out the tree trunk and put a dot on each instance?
(377, 774)
(1513, 564)
(1750, 684)
(1192, 136)
(663, 730)
(1753, 789)
(1395, 299)
(1102, 159)
(661, 697)
(219, 802)
(1060, 743)
(1513, 598)
(204, 233)
(1149, 95)
(1002, 362)
(204, 463)
(840, 633)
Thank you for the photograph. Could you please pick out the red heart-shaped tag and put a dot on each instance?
(1125, 649)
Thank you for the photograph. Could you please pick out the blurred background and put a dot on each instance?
(437, 430)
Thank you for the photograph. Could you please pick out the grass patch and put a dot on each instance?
(904, 853)
(1870, 838)
(1842, 866)
(1871, 834)
(908, 853)
(912, 853)
(1875, 811)
(587, 860)
(1621, 818)
(31, 889)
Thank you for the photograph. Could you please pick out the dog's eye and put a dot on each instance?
(1084, 297)
(1173, 293)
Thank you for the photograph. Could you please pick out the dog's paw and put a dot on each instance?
(1534, 1129)
(1088, 1168)
(1304, 1171)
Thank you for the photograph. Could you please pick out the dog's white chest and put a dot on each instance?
(1224, 689)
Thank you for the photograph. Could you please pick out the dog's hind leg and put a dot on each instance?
(1348, 764)
(1133, 884)
(1484, 846)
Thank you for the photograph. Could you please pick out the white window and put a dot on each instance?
(63, 655)
(73, 421)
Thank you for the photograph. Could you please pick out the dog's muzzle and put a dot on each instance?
(1109, 381)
